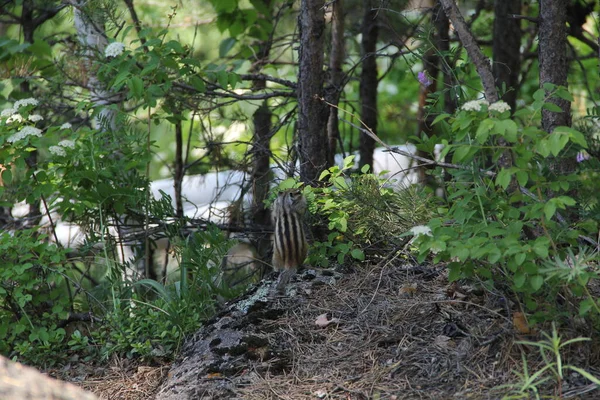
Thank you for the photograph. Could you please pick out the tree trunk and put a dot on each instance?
(553, 58)
(261, 153)
(312, 110)
(92, 37)
(34, 214)
(336, 59)
(431, 64)
(482, 64)
(368, 82)
(506, 48)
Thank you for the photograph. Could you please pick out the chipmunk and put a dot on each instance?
(289, 241)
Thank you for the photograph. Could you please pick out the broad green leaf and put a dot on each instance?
(358, 254)
(550, 209)
(575, 136)
(462, 153)
(522, 177)
(536, 282)
(540, 247)
(484, 129)
(557, 142)
(520, 258)
(226, 45)
(519, 279)
(510, 128)
(543, 147)
(503, 178)
(552, 107)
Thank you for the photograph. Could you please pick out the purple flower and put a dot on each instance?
(424, 79)
(582, 156)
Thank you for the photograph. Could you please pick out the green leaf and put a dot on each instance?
(348, 162)
(223, 78)
(575, 136)
(552, 107)
(520, 258)
(522, 177)
(557, 142)
(536, 282)
(358, 254)
(7, 177)
(519, 279)
(585, 306)
(550, 209)
(439, 118)
(484, 129)
(540, 247)
(136, 86)
(510, 128)
(585, 374)
(503, 178)
(539, 94)
(462, 153)
(226, 45)
(198, 83)
(324, 174)
(454, 272)
(563, 93)
(494, 255)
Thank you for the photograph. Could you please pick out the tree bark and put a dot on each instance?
(368, 82)
(336, 59)
(481, 62)
(431, 64)
(506, 48)
(90, 30)
(552, 50)
(312, 110)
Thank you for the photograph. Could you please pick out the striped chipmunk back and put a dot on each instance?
(289, 242)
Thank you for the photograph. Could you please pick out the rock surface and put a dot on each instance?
(18, 382)
(236, 346)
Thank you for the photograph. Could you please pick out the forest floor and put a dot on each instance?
(391, 331)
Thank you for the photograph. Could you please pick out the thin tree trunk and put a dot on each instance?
(482, 63)
(431, 63)
(34, 214)
(368, 82)
(506, 48)
(92, 37)
(552, 50)
(336, 59)
(179, 169)
(312, 110)
(261, 151)
(482, 66)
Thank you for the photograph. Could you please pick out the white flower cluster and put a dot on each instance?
(14, 118)
(7, 112)
(67, 143)
(421, 230)
(499, 106)
(35, 117)
(60, 149)
(57, 151)
(114, 49)
(25, 102)
(475, 105)
(23, 133)
(66, 125)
